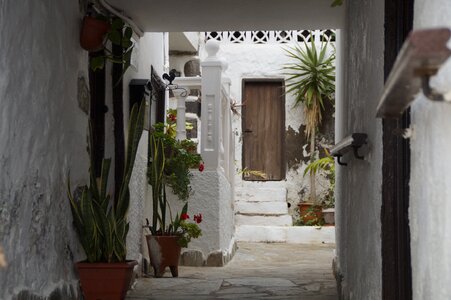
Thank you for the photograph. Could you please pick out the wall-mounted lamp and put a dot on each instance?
(421, 56)
(350, 143)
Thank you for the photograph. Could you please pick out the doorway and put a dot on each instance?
(263, 124)
(396, 260)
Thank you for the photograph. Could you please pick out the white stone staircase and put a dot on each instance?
(261, 215)
(259, 206)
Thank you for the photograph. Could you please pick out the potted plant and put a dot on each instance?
(326, 211)
(169, 166)
(101, 223)
(311, 78)
(111, 35)
(93, 32)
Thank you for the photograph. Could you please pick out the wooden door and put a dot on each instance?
(263, 125)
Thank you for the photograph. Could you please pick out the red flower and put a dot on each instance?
(184, 216)
(172, 117)
(201, 167)
(198, 218)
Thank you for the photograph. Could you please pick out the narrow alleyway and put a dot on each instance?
(258, 271)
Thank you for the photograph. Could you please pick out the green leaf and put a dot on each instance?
(117, 24)
(126, 43)
(115, 37)
(97, 63)
(337, 3)
(128, 32)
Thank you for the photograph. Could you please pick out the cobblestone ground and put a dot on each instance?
(257, 271)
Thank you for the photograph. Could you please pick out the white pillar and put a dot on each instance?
(211, 105)
(181, 94)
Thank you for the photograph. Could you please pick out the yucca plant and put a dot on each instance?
(100, 222)
(326, 164)
(311, 78)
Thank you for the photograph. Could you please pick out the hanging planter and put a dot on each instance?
(93, 33)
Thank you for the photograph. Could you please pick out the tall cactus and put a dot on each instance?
(101, 224)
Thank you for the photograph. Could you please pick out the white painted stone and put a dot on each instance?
(150, 46)
(283, 234)
(264, 208)
(430, 189)
(358, 187)
(43, 136)
(260, 194)
(249, 233)
(311, 235)
(283, 220)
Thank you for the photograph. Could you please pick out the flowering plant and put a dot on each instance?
(170, 162)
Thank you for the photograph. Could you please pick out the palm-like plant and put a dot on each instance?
(311, 78)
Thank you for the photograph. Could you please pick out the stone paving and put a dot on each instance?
(257, 271)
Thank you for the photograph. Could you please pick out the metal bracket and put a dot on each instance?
(339, 161)
(350, 143)
(356, 152)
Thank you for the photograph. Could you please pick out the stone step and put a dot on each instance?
(263, 208)
(286, 234)
(276, 220)
(260, 194)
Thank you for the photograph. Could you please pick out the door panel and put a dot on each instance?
(263, 128)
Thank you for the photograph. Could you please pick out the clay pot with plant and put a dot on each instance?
(311, 78)
(101, 223)
(314, 214)
(93, 32)
(170, 162)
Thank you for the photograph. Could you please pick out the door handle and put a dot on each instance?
(247, 131)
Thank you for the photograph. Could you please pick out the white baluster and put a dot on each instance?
(181, 94)
(212, 69)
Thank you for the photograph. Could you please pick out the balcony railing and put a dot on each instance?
(215, 132)
(270, 37)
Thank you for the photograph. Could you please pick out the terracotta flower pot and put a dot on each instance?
(105, 281)
(93, 33)
(309, 212)
(164, 251)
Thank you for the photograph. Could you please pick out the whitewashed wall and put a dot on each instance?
(150, 52)
(358, 192)
(266, 61)
(430, 188)
(43, 136)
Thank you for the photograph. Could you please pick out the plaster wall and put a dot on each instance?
(256, 61)
(150, 51)
(359, 185)
(43, 136)
(430, 187)
(212, 197)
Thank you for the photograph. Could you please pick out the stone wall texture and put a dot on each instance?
(358, 192)
(430, 188)
(43, 136)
